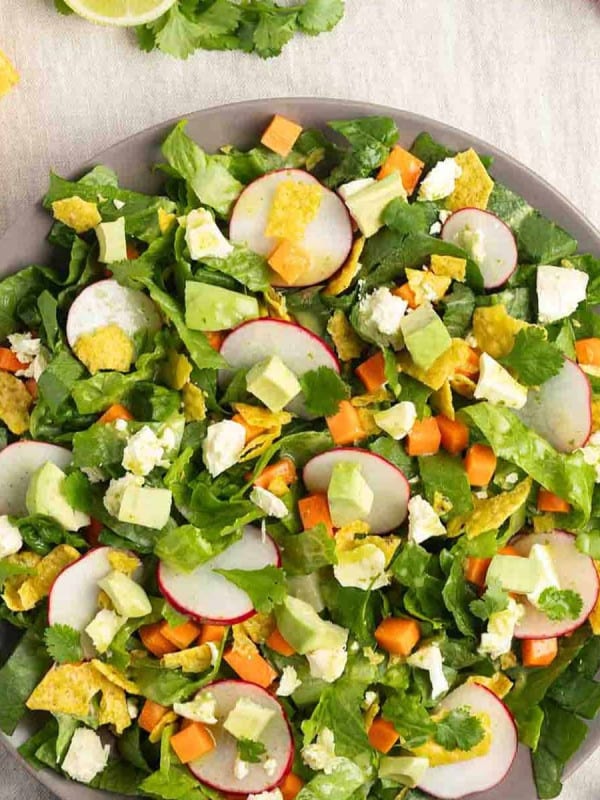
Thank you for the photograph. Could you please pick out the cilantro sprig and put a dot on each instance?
(250, 751)
(323, 391)
(63, 644)
(459, 730)
(560, 604)
(533, 359)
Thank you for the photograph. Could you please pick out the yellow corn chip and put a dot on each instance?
(442, 400)
(441, 504)
(259, 627)
(371, 398)
(495, 330)
(113, 706)
(345, 339)
(490, 513)
(463, 386)
(366, 417)
(441, 369)
(14, 583)
(15, 402)
(342, 280)
(278, 487)
(77, 213)
(156, 733)
(594, 617)
(9, 76)
(508, 660)
(242, 643)
(165, 220)
(370, 714)
(36, 587)
(108, 348)
(427, 286)
(542, 523)
(262, 417)
(499, 684)
(67, 689)
(124, 562)
(474, 186)
(194, 403)
(257, 446)
(177, 371)
(276, 304)
(595, 416)
(104, 600)
(115, 676)
(346, 536)
(194, 659)
(294, 206)
(450, 266)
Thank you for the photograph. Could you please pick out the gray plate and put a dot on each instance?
(241, 124)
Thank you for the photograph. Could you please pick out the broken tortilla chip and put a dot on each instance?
(15, 402)
(26, 595)
(345, 339)
(343, 278)
(490, 513)
(495, 330)
(441, 369)
(194, 659)
(474, 186)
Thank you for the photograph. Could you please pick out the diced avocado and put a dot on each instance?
(307, 588)
(405, 770)
(127, 597)
(349, 495)
(211, 308)
(425, 335)
(398, 420)
(303, 628)
(145, 506)
(273, 383)
(367, 205)
(540, 556)
(45, 497)
(248, 720)
(112, 242)
(103, 629)
(515, 574)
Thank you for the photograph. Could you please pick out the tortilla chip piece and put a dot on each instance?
(194, 659)
(426, 286)
(442, 400)
(176, 372)
(278, 487)
(366, 417)
(294, 207)
(242, 643)
(345, 339)
(463, 386)
(261, 417)
(594, 617)
(156, 733)
(441, 504)
(9, 76)
(490, 513)
(345, 537)
(14, 583)
(371, 398)
(115, 676)
(450, 266)
(113, 706)
(35, 588)
(474, 186)
(276, 304)
(343, 278)
(595, 416)
(15, 402)
(441, 369)
(122, 561)
(165, 220)
(194, 403)
(67, 689)
(77, 213)
(495, 330)
(499, 683)
(259, 627)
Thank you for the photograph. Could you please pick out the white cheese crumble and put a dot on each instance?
(145, 451)
(430, 658)
(268, 502)
(223, 446)
(288, 682)
(241, 769)
(270, 766)
(86, 756)
(440, 181)
(30, 352)
(559, 292)
(423, 522)
(116, 488)
(320, 756)
(203, 236)
(362, 568)
(274, 794)
(497, 385)
(384, 310)
(11, 540)
(203, 708)
(94, 474)
(591, 453)
(328, 665)
(497, 640)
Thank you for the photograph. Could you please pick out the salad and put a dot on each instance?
(299, 476)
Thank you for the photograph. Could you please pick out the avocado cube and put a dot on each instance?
(274, 384)
(514, 573)
(111, 240)
(349, 496)
(127, 597)
(405, 770)
(425, 336)
(45, 497)
(248, 720)
(303, 628)
(211, 308)
(145, 506)
(368, 204)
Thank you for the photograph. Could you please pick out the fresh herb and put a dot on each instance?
(494, 599)
(250, 751)
(459, 730)
(323, 391)
(560, 604)
(265, 587)
(533, 359)
(63, 643)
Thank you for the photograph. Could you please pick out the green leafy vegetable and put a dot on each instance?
(323, 391)
(494, 599)
(533, 358)
(250, 751)
(560, 604)
(459, 730)
(63, 643)
(304, 553)
(265, 587)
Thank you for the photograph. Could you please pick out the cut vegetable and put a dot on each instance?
(216, 769)
(453, 781)
(108, 303)
(18, 462)
(388, 483)
(327, 238)
(299, 349)
(560, 410)
(487, 239)
(575, 571)
(205, 595)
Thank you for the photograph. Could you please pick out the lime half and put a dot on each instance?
(120, 12)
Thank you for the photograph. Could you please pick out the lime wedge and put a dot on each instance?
(120, 12)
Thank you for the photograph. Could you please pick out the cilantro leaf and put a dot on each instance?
(459, 730)
(560, 604)
(493, 599)
(62, 7)
(410, 718)
(319, 16)
(221, 18)
(273, 32)
(533, 359)
(323, 390)
(266, 587)
(63, 644)
(459, 307)
(250, 751)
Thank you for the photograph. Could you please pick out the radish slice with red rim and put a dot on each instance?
(205, 595)
(387, 482)
(18, 462)
(327, 239)
(216, 769)
(498, 259)
(453, 781)
(575, 571)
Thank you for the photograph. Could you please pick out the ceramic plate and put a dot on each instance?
(241, 124)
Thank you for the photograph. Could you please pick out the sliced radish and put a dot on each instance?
(388, 483)
(561, 409)
(73, 598)
(453, 781)
(204, 594)
(18, 462)
(575, 571)
(498, 260)
(216, 769)
(300, 349)
(108, 303)
(328, 237)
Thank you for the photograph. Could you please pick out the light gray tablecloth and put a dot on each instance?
(523, 74)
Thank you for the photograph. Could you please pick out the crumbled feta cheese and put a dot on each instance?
(86, 756)
(511, 479)
(94, 474)
(288, 682)
(497, 385)
(270, 766)
(144, 451)
(274, 794)
(214, 653)
(121, 425)
(423, 522)
(116, 489)
(370, 699)
(559, 292)
(384, 310)
(320, 756)
(398, 420)
(497, 640)
(202, 708)
(118, 204)
(268, 502)
(11, 540)
(547, 576)
(444, 215)
(103, 629)
(30, 353)
(240, 769)
(346, 190)
(430, 658)
(203, 236)
(472, 242)
(435, 229)
(362, 567)
(591, 453)
(327, 665)
(223, 446)
(481, 494)
(440, 181)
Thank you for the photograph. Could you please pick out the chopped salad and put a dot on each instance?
(299, 476)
